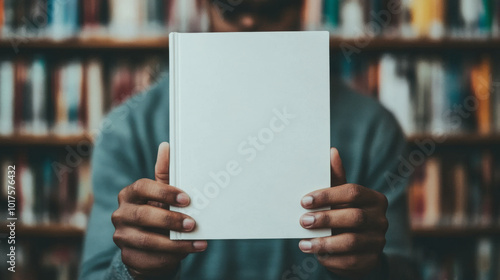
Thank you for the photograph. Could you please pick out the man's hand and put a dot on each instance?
(357, 220)
(143, 222)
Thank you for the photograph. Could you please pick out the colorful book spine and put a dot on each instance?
(7, 89)
(331, 14)
(481, 88)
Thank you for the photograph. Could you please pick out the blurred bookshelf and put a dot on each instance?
(74, 140)
(54, 231)
(454, 232)
(28, 140)
(91, 44)
(59, 78)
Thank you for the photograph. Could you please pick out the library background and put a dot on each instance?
(433, 63)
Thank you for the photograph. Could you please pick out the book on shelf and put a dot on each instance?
(471, 260)
(130, 19)
(47, 191)
(459, 191)
(53, 260)
(65, 98)
(429, 95)
(480, 77)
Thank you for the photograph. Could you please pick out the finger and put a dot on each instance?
(153, 217)
(346, 243)
(149, 262)
(348, 195)
(163, 163)
(338, 173)
(346, 218)
(145, 190)
(139, 239)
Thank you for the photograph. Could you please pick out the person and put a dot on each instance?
(128, 231)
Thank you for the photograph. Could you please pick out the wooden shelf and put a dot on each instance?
(336, 43)
(452, 140)
(401, 44)
(87, 44)
(46, 231)
(453, 232)
(457, 140)
(21, 140)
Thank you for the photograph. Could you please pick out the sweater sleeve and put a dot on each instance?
(118, 160)
(115, 165)
(387, 151)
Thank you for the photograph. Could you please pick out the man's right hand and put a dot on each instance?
(143, 223)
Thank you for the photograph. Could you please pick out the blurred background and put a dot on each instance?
(435, 64)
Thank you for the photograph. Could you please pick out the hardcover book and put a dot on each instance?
(249, 131)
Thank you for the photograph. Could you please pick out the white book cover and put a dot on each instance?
(249, 131)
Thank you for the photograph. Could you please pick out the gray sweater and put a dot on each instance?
(367, 136)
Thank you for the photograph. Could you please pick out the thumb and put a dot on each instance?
(337, 172)
(163, 163)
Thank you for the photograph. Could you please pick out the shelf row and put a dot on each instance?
(86, 139)
(12, 46)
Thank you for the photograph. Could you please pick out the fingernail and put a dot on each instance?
(188, 224)
(182, 199)
(307, 200)
(200, 245)
(305, 246)
(307, 220)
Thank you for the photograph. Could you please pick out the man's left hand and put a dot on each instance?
(357, 220)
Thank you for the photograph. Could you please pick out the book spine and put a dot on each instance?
(481, 88)
(39, 95)
(7, 79)
(173, 133)
(331, 14)
(352, 19)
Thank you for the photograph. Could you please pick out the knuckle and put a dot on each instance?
(351, 262)
(359, 217)
(163, 193)
(321, 245)
(166, 260)
(385, 224)
(116, 217)
(168, 219)
(121, 196)
(351, 242)
(323, 219)
(144, 241)
(138, 214)
(354, 192)
(118, 238)
(137, 186)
